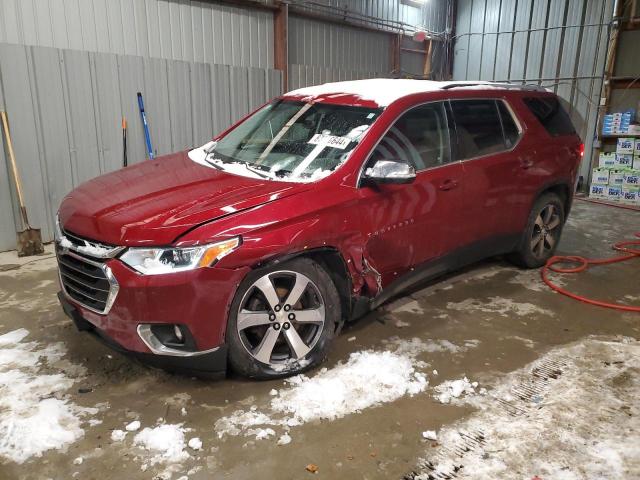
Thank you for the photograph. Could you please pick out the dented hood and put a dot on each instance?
(154, 202)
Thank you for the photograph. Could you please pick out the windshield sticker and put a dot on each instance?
(330, 141)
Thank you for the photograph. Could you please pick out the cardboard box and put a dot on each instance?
(616, 178)
(607, 160)
(614, 193)
(636, 148)
(631, 180)
(630, 197)
(623, 162)
(634, 129)
(636, 162)
(600, 176)
(625, 146)
(598, 191)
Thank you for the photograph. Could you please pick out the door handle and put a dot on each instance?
(526, 163)
(448, 184)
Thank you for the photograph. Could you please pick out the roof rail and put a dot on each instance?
(506, 86)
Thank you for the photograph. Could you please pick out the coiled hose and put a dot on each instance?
(631, 249)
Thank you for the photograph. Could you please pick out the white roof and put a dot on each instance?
(384, 91)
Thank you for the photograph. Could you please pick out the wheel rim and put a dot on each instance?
(281, 317)
(545, 231)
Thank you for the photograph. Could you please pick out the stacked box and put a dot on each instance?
(617, 123)
(598, 191)
(607, 160)
(631, 180)
(600, 176)
(623, 162)
(617, 178)
(614, 194)
(630, 197)
(625, 146)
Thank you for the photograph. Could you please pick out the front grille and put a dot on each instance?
(87, 280)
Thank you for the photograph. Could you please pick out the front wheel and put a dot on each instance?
(282, 320)
(542, 234)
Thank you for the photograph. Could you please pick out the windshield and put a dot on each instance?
(292, 141)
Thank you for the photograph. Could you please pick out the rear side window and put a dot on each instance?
(482, 128)
(551, 115)
(420, 138)
(511, 132)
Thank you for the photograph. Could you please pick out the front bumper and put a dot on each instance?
(210, 363)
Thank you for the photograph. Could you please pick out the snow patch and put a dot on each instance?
(35, 415)
(408, 307)
(365, 380)
(499, 305)
(586, 425)
(452, 389)
(284, 439)
(195, 443)
(382, 91)
(133, 426)
(429, 435)
(118, 435)
(166, 442)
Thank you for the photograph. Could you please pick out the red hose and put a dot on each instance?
(630, 247)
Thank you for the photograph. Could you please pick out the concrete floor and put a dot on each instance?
(512, 318)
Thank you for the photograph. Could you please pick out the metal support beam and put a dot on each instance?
(426, 72)
(281, 42)
(395, 54)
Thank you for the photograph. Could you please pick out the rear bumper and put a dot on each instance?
(210, 363)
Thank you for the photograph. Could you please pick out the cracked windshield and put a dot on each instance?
(292, 141)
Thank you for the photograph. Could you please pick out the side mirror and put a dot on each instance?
(390, 171)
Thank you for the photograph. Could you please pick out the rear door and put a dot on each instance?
(414, 223)
(486, 137)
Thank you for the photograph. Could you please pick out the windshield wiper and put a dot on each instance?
(213, 164)
(256, 171)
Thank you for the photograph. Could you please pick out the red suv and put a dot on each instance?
(256, 247)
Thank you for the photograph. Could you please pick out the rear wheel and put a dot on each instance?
(282, 320)
(542, 234)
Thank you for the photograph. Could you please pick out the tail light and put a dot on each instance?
(581, 150)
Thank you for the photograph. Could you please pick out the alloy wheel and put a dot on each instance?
(281, 317)
(545, 231)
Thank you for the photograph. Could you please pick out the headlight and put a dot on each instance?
(155, 261)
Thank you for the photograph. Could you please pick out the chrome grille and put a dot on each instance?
(86, 279)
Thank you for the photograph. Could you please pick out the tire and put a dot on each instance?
(267, 337)
(542, 233)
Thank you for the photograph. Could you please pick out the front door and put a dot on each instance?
(413, 223)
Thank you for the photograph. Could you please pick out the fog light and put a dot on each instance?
(178, 333)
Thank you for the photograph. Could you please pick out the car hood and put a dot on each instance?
(154, 202)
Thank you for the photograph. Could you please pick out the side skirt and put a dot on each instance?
(434, 268)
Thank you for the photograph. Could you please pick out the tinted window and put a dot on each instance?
(551, 115)
(478, 128)
(509, 126)
(420, 138)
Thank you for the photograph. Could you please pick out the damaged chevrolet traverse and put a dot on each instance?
(252, 250)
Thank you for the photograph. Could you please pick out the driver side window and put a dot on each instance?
(420, 137)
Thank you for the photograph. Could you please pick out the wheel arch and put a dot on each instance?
(334, 264)
(562, 189)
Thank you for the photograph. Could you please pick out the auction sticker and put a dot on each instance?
(330, 141)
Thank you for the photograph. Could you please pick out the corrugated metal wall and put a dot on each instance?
(516, 41)
(430, 14)
(178, 30)
(322, 52)
(65, 109)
